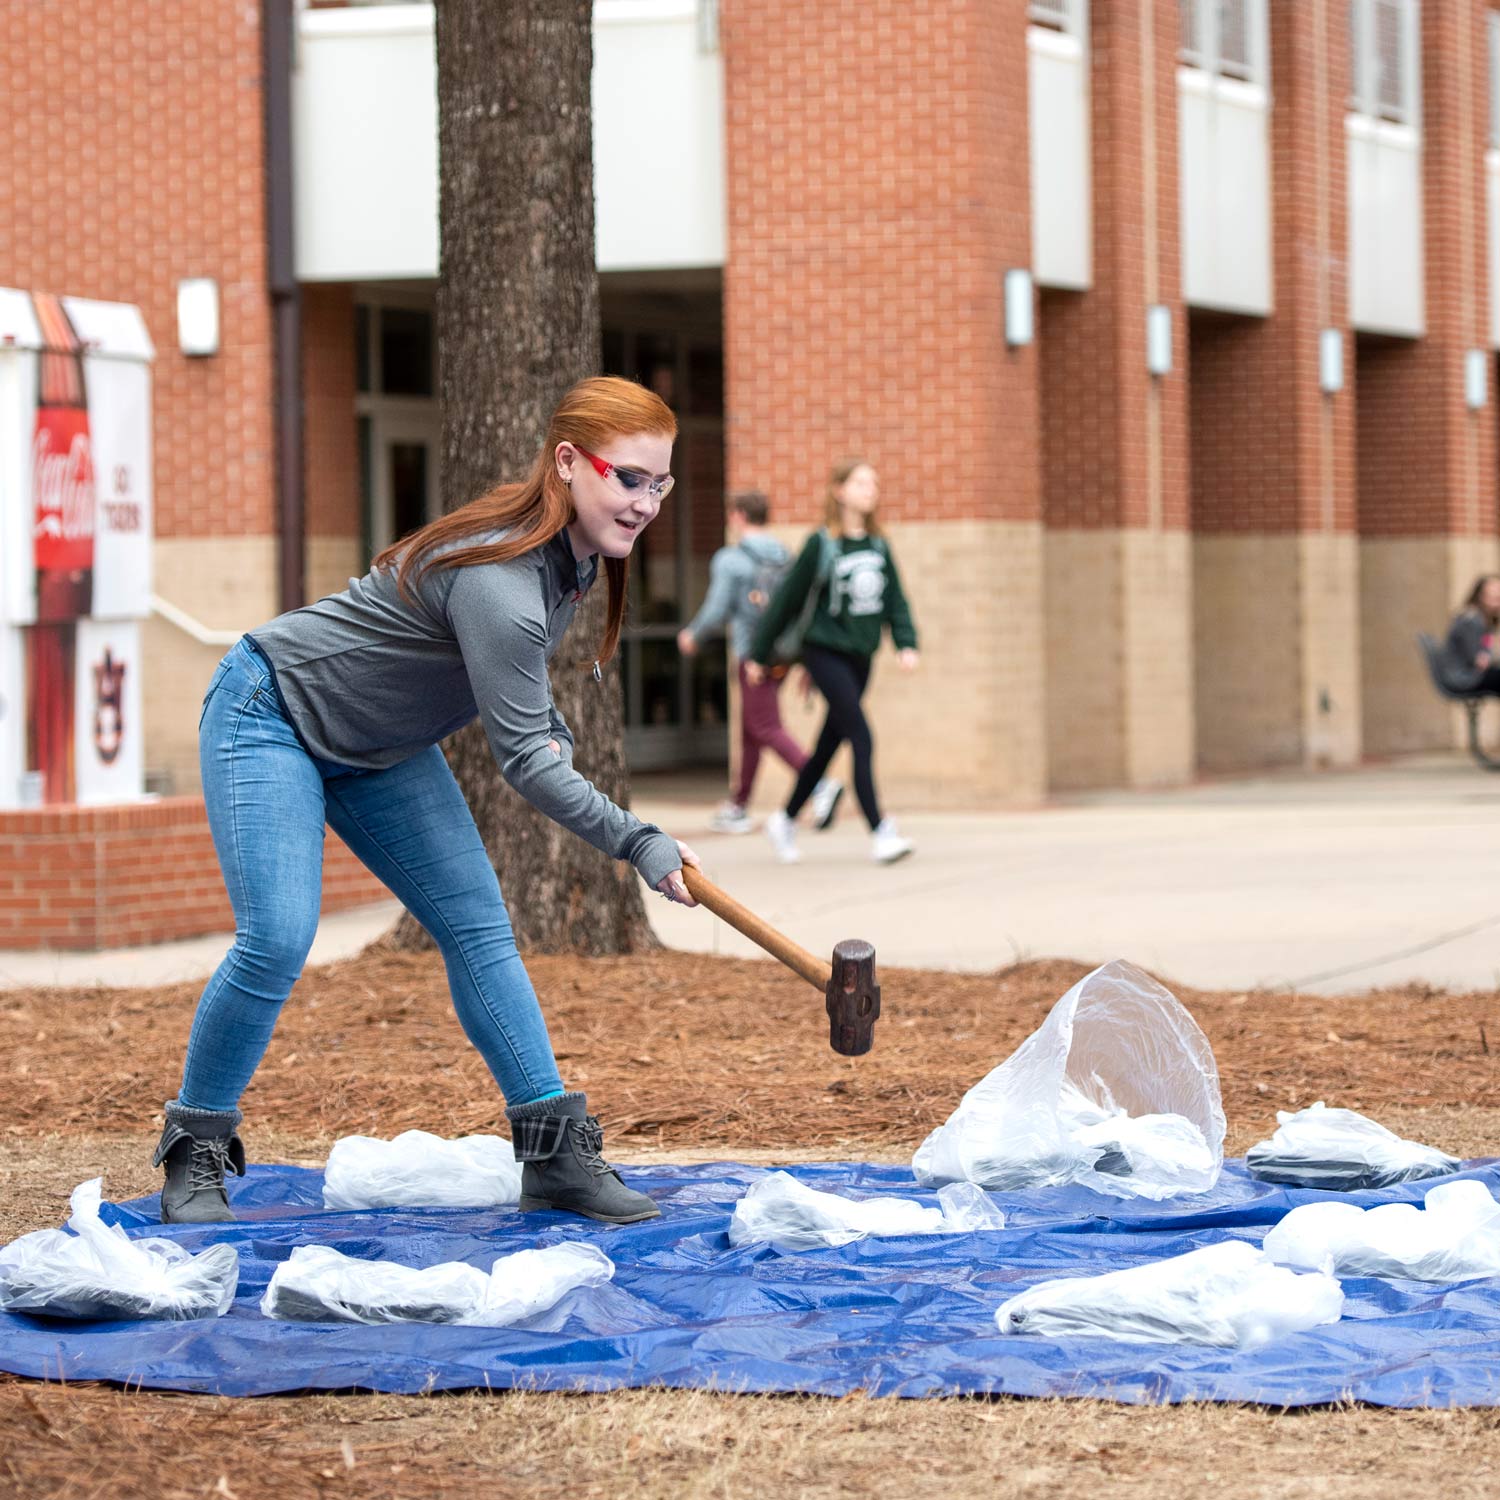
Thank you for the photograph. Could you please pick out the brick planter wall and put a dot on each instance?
(116, 877)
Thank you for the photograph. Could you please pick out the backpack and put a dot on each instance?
(764, 581)
(787, 647)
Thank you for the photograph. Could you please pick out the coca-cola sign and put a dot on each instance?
(62, 470)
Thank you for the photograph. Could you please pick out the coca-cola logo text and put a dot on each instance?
(63, 485)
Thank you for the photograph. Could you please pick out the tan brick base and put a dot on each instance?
(1119, 658)
(331, 562)
(1276, 626)
(225, 584)
(115, 877)
(1409, 584)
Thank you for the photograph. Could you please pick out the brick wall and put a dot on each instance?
(329, 432)
(335, 523)
(877, 191)
(1427, 464)
(115, 877)
(1272, 454)
(131, 152)
(877, 176)
(1109, 459)
(1114, 439)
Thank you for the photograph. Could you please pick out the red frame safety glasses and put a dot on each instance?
(658, 487)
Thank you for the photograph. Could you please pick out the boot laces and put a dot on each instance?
(207, 1165)
(590, 1146)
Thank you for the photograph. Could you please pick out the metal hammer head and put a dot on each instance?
(853, 998)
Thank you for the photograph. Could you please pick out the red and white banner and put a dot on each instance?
(75, 546)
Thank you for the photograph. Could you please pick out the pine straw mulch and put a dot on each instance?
(696, 1056)
(693, 1052)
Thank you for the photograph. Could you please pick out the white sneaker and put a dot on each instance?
(782, 833)
(888, 846)
(825, 802)
(730, 817)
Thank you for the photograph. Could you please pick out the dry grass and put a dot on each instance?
(85, 1442)
(693, 1056)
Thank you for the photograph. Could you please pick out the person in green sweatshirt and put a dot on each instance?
(845, 584)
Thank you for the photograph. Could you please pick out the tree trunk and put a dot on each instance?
(518, 323)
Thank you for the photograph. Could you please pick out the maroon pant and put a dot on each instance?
(761, 729)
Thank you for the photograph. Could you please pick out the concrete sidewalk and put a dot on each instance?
(1335, 882)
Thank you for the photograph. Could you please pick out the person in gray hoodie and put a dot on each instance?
(741, 579)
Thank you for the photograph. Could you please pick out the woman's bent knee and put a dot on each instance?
(270, 961)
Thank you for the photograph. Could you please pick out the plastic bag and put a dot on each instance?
(1341, 1151)
(319, 1285)
(1117, 1090)
(97, 1272)
(790, 1216)
(419, 1170)
(1230, 1295)
(1456, 1236)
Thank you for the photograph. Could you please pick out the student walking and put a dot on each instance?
(334, 713)
(742, 579)
(846, 585)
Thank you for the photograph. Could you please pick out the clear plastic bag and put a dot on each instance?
(1117, 1090)
(1341, 1151)
(99, 1273)
(1229, 1295)
(1454, 1238)
(791, 1217)
(317, 1284)
(419, 1170)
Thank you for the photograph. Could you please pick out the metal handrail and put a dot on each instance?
(189, 626)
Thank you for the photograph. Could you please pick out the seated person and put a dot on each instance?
(1467, 661)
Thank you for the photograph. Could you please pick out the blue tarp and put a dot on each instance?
(895, 1317)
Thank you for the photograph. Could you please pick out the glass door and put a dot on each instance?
(676, 707)
(404, 490)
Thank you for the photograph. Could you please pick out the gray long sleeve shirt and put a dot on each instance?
(369, 679)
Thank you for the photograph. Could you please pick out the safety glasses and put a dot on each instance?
(632, 481)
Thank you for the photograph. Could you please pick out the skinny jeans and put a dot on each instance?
(268, 800)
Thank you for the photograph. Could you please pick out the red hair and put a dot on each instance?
(536, 509)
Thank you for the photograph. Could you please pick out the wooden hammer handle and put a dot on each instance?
(814, 970)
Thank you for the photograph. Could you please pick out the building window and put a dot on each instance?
(1494, 20)
(1383, 59)
(394, 351)
(1057, 15)
(1225, 37)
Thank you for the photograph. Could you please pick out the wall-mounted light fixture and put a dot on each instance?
(198, 315)
(1019, 323)
(1159, 339)
(1330, 361)
(1476, 378)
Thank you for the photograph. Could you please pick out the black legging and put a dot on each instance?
(841, 678)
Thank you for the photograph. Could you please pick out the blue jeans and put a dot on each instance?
(268, 800)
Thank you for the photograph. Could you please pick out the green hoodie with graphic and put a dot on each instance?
(858, 592)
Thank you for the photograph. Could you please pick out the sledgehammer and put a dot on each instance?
(848, 983)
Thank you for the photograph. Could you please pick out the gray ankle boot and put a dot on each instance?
(558, 1144)
(196, 1147)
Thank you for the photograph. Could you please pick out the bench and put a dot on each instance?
(1432, 655)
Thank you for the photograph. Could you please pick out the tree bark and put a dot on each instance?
(518, 323)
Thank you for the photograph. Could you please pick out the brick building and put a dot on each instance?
(1167, 323)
